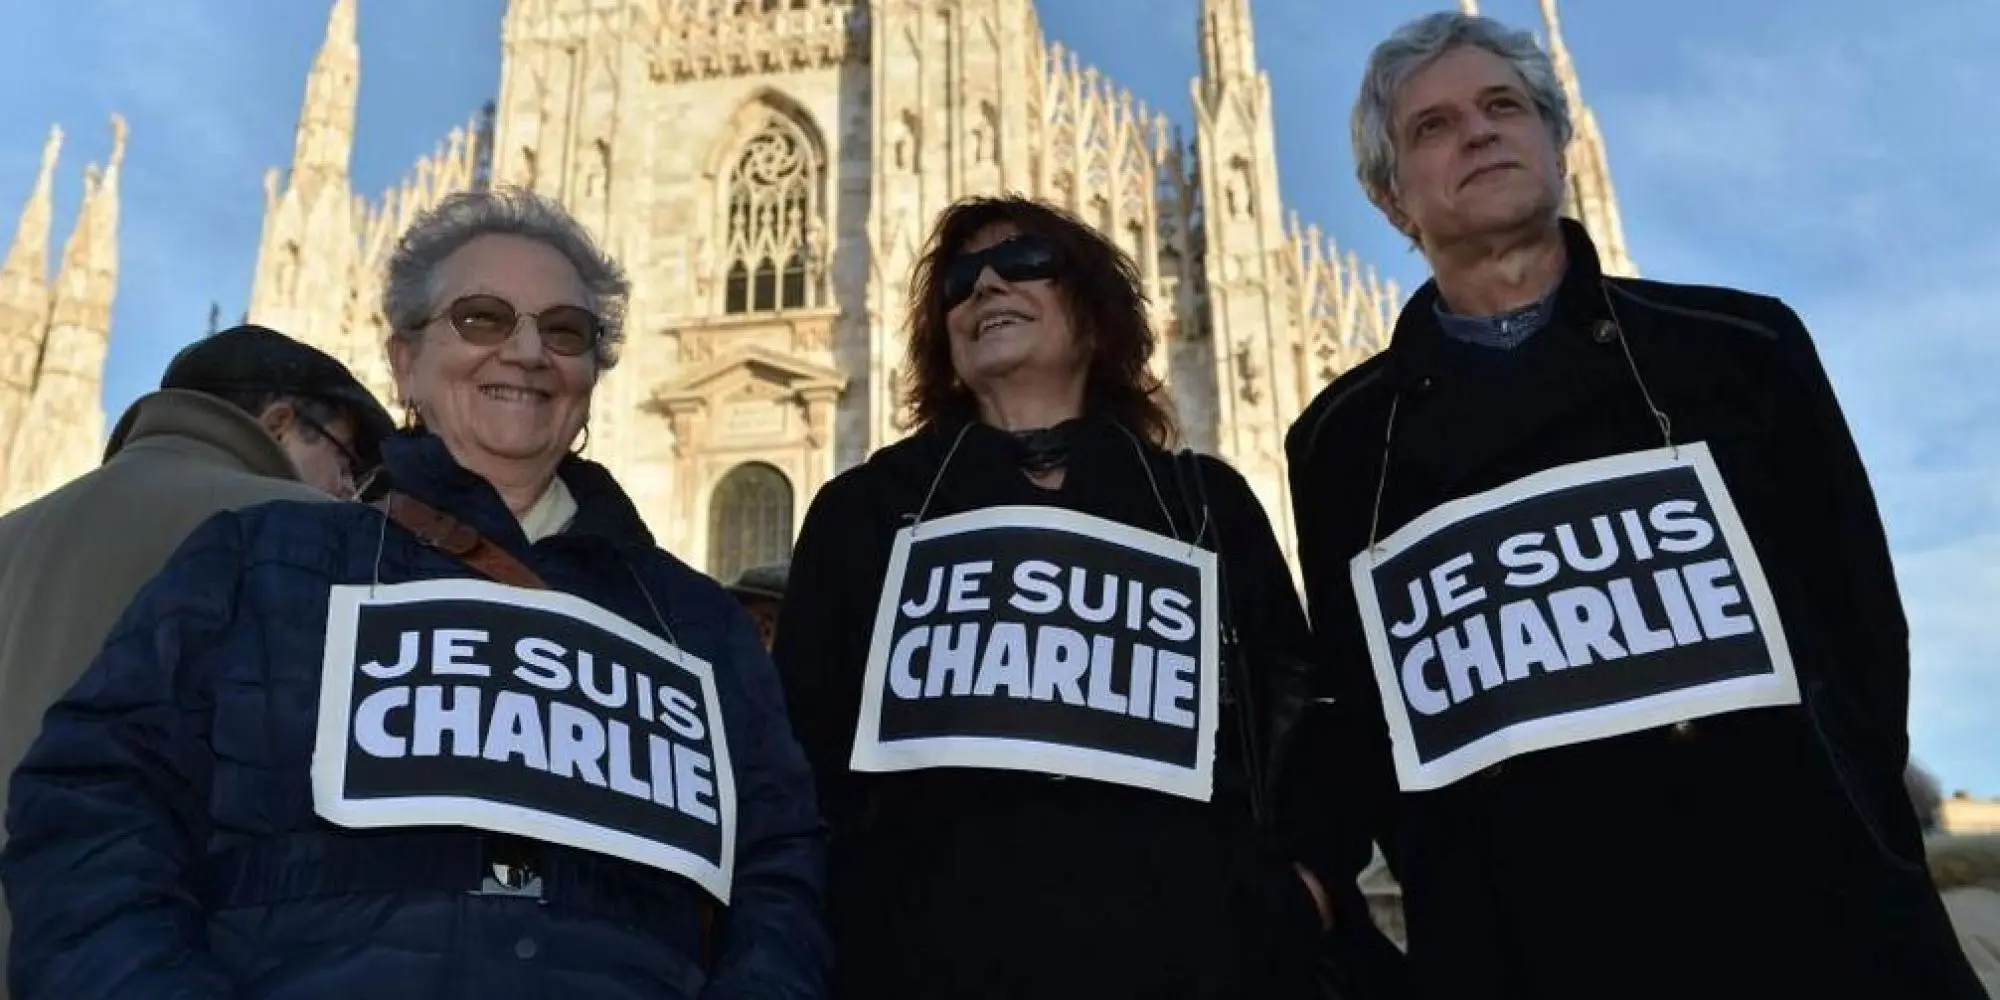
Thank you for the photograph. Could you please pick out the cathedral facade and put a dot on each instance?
(767, 171)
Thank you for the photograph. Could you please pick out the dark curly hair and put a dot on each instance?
(1107, 308)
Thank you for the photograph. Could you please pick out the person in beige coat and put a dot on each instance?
(242, 417)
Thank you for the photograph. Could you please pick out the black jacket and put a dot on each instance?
(975, 883)
(1758, 853)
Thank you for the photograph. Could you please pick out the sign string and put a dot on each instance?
(917, 519)
(1624, 344)
(647, 593)
(1382, 480)
(1159, 497)
(381, 540)
(1617, 332)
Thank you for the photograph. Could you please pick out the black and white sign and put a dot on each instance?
(1583, 602)
(530, 712)
(1040, 639)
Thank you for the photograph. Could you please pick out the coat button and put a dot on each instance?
(1684, 729)
(1604, 332)
(526, 948)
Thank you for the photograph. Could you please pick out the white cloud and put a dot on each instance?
(1843, 170)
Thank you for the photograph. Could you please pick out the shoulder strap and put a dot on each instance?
(455, 538)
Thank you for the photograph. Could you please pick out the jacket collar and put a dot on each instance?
(418, 463)
(198, 423)
(1550, 377)
(1414, 347)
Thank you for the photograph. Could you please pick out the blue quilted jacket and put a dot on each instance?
(164, 842)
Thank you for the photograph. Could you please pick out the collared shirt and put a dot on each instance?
(551, 514)
(1505, 331)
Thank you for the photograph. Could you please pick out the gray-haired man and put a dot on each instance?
(1598, 565)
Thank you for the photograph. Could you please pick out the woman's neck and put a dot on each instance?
(1031, 408)
(520, 487)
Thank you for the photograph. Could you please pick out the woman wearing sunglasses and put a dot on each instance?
(476, 738)
(993, 654)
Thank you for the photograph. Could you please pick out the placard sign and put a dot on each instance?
(531, 712)
(1584, 602)
(1040, 639)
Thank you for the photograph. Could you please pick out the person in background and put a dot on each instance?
(1029, 874)
(599, 795)
(762, 591)
(1965, 867)
(241, 417)
(1593, 790)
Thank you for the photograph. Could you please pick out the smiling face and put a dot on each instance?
(1473, 156)
(1009, 333)
(508, 410)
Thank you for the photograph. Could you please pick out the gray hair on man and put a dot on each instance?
(1416, 45)
(410, 288)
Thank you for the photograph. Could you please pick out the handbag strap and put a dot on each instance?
(455, 538)
(1235, 680)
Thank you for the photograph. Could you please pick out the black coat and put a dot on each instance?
(1766, 852)
(972, 883)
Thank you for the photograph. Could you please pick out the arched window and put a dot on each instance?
(774, 221)
(749, 520)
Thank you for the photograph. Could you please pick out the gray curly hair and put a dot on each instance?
(1416, 45)
(410, 290)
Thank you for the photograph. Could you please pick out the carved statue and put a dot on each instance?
(597, 172)
(704, 267)
(288, 270)
(1248, 374)
(528, 174)
(817, 249)
(681, 424)
(817, 423)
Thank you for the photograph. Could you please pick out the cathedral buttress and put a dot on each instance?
(307, 258)
(1244, 250)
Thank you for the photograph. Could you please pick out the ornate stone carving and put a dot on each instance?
(711, 38)
(1249, 375)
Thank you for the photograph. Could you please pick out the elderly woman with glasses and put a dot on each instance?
(476, 738)
(1038, 660)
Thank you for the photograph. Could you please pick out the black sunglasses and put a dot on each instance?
(1017, 258)
(487, 320)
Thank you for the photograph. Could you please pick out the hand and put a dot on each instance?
(1320, 902)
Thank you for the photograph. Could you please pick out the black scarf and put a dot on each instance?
(1044, 449)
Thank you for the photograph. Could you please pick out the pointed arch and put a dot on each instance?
(769, 176)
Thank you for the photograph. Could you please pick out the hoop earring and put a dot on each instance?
(413, 417)
(582, 444)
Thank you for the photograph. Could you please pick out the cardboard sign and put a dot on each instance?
(531, 712)
(1584, 602)
(1040, 639)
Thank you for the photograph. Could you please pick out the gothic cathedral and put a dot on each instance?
(767, 171)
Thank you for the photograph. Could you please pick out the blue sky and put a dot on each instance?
(1821, 151)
